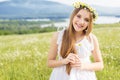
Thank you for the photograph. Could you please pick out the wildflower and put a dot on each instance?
(78, 44)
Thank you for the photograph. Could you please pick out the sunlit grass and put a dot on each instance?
(109, 39)
(23, 57)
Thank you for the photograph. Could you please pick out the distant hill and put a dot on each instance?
(44, 9)
(33, 9)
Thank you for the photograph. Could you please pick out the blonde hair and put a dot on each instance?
(68, 40)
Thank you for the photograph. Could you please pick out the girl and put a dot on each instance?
(74, 46)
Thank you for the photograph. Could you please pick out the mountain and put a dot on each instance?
(33, 9)
(45, 9)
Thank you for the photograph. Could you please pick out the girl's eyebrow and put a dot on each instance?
(87, 18)
(84, 18)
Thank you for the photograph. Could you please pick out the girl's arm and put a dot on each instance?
(52, 54)
(98, 62)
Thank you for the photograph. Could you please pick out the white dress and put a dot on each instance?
(84, 48)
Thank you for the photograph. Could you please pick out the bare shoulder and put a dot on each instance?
(57, 35)
(54, 37)
(93, 36)
(95, 40)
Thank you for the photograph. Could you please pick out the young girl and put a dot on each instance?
(74, 46)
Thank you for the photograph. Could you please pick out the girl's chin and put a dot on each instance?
(78, 29)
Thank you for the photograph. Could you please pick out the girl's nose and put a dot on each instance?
(81, 22)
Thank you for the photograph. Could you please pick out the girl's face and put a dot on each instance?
(81, 20)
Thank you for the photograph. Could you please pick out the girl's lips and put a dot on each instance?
(78, 26)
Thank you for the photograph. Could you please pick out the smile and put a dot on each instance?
(79, 26)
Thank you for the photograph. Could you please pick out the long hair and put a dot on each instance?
(68, 40)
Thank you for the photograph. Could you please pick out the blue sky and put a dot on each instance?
(3, 0)
(106, 3)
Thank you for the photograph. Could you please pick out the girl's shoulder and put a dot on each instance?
(92, 36)
(54, 38)
(60, 35)
(93, 39)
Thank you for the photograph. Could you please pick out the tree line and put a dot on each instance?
(24, 27)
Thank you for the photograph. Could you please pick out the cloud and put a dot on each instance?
(106, 3)
(4, 0)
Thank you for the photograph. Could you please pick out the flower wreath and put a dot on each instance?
(86, 6)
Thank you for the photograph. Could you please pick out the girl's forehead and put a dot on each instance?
(84, 12)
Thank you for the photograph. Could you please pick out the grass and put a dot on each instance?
(23, 57)
(110, 47)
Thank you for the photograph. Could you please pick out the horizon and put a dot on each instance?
(39, 12)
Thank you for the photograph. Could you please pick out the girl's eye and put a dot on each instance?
(87, 20)
(78, 16)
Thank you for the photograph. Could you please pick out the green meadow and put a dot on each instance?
(23, 57)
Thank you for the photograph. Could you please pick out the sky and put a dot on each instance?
(3, 0)
(106, 3)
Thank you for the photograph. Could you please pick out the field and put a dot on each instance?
(23, 57)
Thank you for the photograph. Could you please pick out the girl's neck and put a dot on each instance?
(79, 36)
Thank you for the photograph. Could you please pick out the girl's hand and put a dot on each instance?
(71, 58)
(78, 64)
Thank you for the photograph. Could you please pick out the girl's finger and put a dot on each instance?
(76, 65)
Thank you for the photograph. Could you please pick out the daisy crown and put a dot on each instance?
(79, 4)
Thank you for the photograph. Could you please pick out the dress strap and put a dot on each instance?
(60, 35)
(90, 39)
